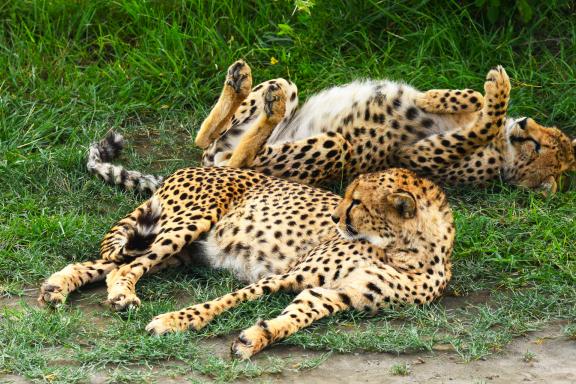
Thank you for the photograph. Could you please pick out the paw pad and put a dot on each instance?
(239, 77)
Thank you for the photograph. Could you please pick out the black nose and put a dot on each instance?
(335, 219)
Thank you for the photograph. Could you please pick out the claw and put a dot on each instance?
(121, 302)
(51, 295)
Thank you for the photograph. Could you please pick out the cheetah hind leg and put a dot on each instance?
(236, 88)
(257, 135)
(450, 101)
(59, 285)
(309, 161)
(220, 151)
(121, 282)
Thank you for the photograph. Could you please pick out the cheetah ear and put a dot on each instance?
(404, 204)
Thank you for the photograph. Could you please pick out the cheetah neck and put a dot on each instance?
(427, 248)
(503, 145)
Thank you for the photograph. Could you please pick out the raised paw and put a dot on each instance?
(275, 102)
(123, 301)
(239, 77)
(250, 341)
(497, 85)
(51, 294)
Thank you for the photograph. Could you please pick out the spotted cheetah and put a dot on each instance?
(450, 136)
(387, 241)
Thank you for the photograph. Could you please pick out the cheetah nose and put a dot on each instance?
(335, 219)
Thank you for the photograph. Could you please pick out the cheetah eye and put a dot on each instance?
(355, 202)
(518, 139)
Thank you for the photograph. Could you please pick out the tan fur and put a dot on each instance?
(386, 133)
(388, 241)
(236, 88)
(253, 140)
(452, 136)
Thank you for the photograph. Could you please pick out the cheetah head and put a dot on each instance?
(392, 208)
(537, 156)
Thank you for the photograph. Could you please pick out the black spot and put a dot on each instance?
(345, 298)
(411, 113)
(328, 144)
(374, 288)
(329, 308)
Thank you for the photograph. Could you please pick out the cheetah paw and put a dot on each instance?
(51, 294)
(275, 102)
(497, 85)
(166, 323)
(250, 342)
(123, 301)
(239, 77)
(195, 317)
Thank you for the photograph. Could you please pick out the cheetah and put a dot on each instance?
(457, 137)
(387, 241)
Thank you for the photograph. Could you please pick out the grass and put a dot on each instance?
(400, 369)
(72, 70)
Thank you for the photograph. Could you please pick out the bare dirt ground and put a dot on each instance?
(553, 362)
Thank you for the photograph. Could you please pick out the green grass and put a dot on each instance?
(400, 369)
(152, 70)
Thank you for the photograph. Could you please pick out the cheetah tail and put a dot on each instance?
(101, 153)
(134, 234)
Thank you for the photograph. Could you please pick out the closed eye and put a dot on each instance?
(518, 139)
(355, 202)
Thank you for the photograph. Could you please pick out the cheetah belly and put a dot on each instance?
(322, 111)
(327, 110)
(215, 255)
(251, 259)
(270, 231)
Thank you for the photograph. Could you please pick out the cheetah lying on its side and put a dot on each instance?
(391, 243)
(451, 136)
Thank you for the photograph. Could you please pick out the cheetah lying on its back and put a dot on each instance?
(451, 136)
(389, 240)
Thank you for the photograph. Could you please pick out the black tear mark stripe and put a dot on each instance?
(348, 222)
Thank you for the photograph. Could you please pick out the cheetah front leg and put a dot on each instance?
(450, 101)
(236, 88)
(435, 152)
(310, 305)
(367, 289)
(199, 315)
